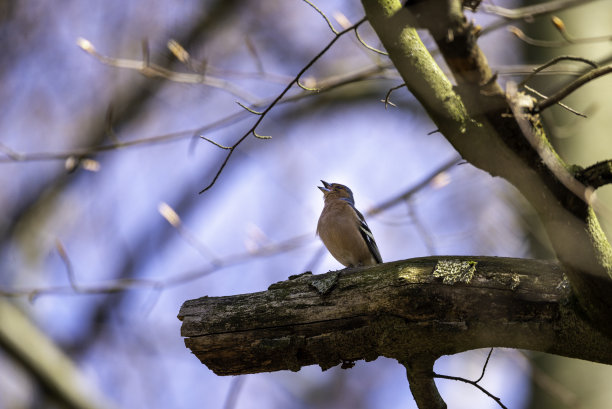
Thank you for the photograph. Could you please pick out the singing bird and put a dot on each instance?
(343, 229)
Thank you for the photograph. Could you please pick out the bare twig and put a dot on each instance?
(475, 383)
(149, 69)
(69, 269)
(482, 389)
(388, 95)
(560, 26)
(326, 85)
(555, 61)
(567, 39)
(277, 100)
(561, 104)
(318, 10)
(573, 86)
(532, 41)
(369, 47)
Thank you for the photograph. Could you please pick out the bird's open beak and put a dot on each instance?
(325, 188)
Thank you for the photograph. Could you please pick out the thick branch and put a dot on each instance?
(398, 310)
(491, 136)
(422, 385)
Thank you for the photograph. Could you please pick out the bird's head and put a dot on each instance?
(336, 191)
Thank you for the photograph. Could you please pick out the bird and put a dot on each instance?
(343, 229)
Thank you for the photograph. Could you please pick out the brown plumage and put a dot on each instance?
(343, 229)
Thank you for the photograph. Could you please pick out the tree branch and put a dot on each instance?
(487, 129)
(398, 310)
(597, 175)
(579, 82)
(422, 385)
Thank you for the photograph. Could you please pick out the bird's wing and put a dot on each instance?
(367, 235)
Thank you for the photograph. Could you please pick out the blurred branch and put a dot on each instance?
(567, 38)
(148, 69)
(547, 383)
(325, 85)
(529, 12)
(405, 195)
(56, 373)
(120, 285)
(217, 263)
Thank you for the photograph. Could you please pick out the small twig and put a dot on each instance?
(173, 218)
(327, 85)
(278, 99)
(555, 61)
(483, 390)
(567, 39)
(215, 143)
(329, 23)
(475, 383)
(388, 95)
(561, 104)
(255, 134)
(305, 88)
(153, 70)
(369, 47)
(547, 156)
(69, 269)
(532, 41)
(248, 109)
(484, 367)
(254, 54)
(560, 26)
(573, 86)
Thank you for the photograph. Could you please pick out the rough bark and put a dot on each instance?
(408, 310)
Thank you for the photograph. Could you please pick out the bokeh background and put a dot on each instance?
(92, 274)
